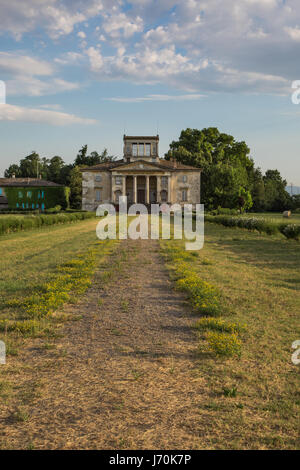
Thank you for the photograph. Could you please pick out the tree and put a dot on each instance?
(244, 200)
(12, 170)
(33, 166)
(258, 190)
(55, 169)
(93, 159)
(225, 163)
(276, 196)
(75, 187)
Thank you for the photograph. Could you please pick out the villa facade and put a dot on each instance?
(141, 176)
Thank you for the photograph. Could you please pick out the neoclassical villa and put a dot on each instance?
(141, 176)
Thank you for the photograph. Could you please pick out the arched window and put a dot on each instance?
(164, 195)
(118, 194)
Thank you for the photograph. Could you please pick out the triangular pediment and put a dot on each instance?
(138, 165)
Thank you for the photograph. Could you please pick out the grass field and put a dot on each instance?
(259, 280)
(251, 401)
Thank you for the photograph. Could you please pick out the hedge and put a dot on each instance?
(17, 223)
(257, 223)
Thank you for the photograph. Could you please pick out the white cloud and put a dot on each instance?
(120, 24)
(194, 45)
(24, 75)
(10, 112)
(56, 17)
(189, 97)
(18, 63)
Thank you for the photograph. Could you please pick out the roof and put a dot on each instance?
(141, 137)
(162, 163)
(26, 182)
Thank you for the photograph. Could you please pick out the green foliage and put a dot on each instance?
(227, 167)
(225, 163)
(257, 223)
(244, 199)
(76, 188)
(219, 324)
(11, 224)
(276, 197)
(290, 231)
(250, 223)
(224, 344)
(93, 159)
(53, 195)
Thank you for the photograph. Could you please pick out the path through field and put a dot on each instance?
(124, 375)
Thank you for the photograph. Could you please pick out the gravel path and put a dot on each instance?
(124, 375)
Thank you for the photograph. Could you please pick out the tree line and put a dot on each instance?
(56, 170)
(229, 176)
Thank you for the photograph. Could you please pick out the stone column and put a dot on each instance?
(147, 190)
(158, 188)
(169, 189)
(134, 189)
(112, 189)
(124, 185)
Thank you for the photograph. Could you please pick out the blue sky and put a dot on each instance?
(80, 72)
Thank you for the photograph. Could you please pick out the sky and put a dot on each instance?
(82, 72)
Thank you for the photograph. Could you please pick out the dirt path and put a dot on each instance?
(121, 377)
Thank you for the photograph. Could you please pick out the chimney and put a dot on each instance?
(13, 175)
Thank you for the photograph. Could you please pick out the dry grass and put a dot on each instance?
(259, 279)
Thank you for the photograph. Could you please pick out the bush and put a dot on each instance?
(11, 224)
(53, 210)
(224, 344)
(219, 325)
(250, 223)
(224, 211)
(204, 297)
(290, 231)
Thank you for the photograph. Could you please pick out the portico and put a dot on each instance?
(141, 188)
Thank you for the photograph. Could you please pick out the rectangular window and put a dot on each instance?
(0, 191)
(148, 150)
(118, 180)
(98, 178)
(141, 150)
(29, 194)
(20, 194)
(134, 150)
(184, 195)
(98, 195)
(43, 194)
(164, 180)
(184, 178)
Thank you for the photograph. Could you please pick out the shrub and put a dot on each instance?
(250, 223)
(204, 296)
(219, 325)
(290, 231)
(16, 223)
(224, 344)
